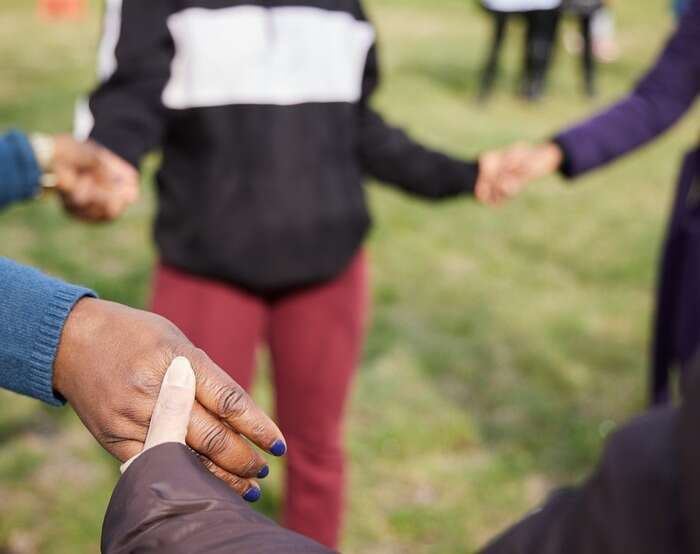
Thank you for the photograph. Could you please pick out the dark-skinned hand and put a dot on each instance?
(110, 365)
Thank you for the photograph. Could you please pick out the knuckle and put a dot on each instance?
(235, 482)
(232, 402)
(215, 440)
(249, 467)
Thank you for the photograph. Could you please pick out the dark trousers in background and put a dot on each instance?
(588, 64)
(539, 45)
(315, 336)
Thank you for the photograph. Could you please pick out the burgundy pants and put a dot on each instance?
(315, 336)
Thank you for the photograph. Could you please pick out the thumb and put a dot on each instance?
(171, 414)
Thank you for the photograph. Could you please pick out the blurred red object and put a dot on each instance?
(52, 10)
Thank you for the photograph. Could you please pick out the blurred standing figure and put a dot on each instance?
(542, 17)
(585, 11)
(262, 109)
(658, 101)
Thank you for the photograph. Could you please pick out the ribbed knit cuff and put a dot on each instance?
(46, 345)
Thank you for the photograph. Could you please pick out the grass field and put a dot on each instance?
(504, 345)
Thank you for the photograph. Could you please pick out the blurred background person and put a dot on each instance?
(664, 95)
(542, 20)
(604, 30)
(263, 114)
(586, 12)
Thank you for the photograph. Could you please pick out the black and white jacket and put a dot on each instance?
(262, 111)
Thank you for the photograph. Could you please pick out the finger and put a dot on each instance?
(481, 191)
(213, 439)
(120, 182)
(249, 489)
(121, 174)
(171, 413)
(246, 488)
(93, 201)
(225, 398)
(489, 170)
(66, 179)
(84, 211)
(78, 155)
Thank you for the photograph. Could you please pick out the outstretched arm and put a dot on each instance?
(660, 99)
(93, 183)
(390, 155)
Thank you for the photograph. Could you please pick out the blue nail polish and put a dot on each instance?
(253, 494)
(264, 472)
(278, 449)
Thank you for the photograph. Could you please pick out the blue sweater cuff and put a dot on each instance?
(43, 354)
(33, 310)
(20, 175)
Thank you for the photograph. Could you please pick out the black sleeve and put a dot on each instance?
(128, 113)
(390, 155)
(167, 503)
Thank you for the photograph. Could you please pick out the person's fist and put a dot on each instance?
(110, 366)
(94, 184)
(504, 173)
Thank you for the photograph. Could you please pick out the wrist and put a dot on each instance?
(81, 330)
(553, 156)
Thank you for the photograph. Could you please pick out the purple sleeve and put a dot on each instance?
(658, 101)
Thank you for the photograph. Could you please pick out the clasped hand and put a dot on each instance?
(504, 173)
(94, 184)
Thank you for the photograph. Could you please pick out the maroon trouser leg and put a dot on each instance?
(315, 336)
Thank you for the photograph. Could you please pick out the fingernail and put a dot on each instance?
(278, 448)
(252, 495)
(179, 373)
(264, 472)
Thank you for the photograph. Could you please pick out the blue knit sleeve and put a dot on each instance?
(33, 310)
(19, 171)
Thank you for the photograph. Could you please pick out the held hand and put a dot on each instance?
(504, 173)
(110, 366)
(94, 184)
(171, 414)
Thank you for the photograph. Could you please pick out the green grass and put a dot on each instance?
(505, 343)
